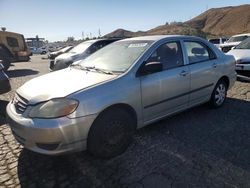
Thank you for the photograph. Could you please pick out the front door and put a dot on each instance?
(167, 91)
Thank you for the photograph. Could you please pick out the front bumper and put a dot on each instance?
(50, 136)
(243, 69)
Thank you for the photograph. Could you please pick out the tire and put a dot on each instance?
(111, 133)
(6, 60)
(219, 94)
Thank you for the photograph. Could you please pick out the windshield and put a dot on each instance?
(244, 44)
(80, 48)
(118, 56)
(237, 39)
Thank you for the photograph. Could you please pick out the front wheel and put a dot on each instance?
(111, 133)
(219, 94)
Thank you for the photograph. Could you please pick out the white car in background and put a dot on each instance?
(42, 50)
(218, 41)
(242, 56)
(233, 41)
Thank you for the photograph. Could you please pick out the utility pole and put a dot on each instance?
(83, 37)
(99, 32)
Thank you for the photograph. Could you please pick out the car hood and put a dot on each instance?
(60, 84)
(242, 54)
(229, 44)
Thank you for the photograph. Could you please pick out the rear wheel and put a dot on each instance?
(111, 133)
(219, 94)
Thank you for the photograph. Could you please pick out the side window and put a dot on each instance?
(169, 54)
(12, 42)
(198, 52)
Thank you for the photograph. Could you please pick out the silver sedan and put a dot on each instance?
(99, 102)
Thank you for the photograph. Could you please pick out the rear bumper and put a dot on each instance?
(50, 136)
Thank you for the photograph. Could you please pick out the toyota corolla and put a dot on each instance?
(99, 102)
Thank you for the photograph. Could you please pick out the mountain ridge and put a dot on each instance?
(223, 21)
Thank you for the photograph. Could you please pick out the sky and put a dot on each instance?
(59, 19)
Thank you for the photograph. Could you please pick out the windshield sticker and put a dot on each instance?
(138, 45)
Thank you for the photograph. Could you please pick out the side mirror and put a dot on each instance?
(151, 67)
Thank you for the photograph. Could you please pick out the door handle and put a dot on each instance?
(214, 65)
(183, 73)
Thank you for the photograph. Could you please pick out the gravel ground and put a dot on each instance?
(197, 148)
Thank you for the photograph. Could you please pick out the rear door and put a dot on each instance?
(165, 92)
(203, 67)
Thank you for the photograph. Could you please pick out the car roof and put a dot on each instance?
(244, 34)
(102, 39)
(160, 37)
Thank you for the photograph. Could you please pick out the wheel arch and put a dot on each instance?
(128, 108)
(225, 79)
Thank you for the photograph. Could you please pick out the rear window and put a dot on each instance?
(198, 52)
(12, 42)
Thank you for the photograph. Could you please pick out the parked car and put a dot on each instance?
(54, 54)
(242, 56)
(35, 50)
(4, 81)
(218, 41)
(98, 103)
(233, 41)
(79, 52)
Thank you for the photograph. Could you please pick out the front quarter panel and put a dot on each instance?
(123, 90)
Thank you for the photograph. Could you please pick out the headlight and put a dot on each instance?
(54, 108)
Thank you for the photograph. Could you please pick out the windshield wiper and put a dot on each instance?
(81, 67)
(93, 68)
(100, 70)
(76, 66)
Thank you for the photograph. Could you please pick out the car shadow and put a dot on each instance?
(21, 72)
(176, 144)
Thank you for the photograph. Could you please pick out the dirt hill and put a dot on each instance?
(224, 21)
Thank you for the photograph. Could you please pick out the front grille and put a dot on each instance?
(20, 103)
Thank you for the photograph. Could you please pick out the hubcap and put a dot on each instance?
(115, 133)
(220, 94)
